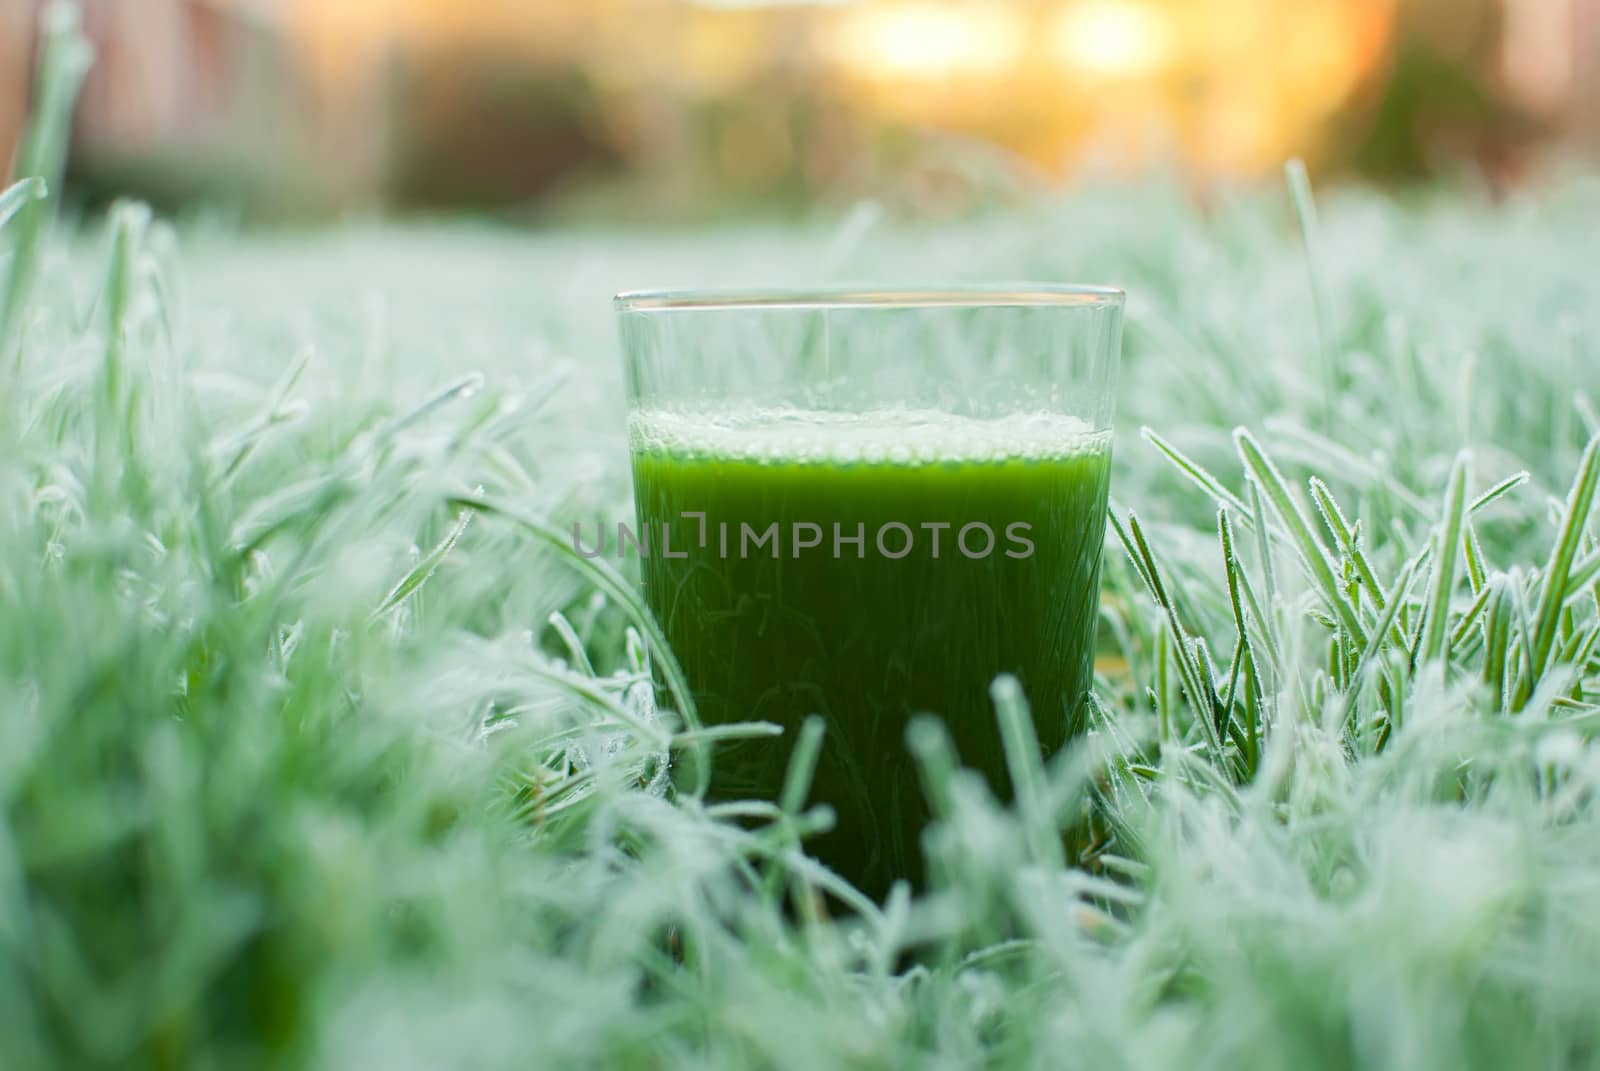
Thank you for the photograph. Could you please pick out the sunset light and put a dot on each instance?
(1114, 38)
(930, 40)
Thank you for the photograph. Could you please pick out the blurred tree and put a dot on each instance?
(485, 131)
(1439, 103)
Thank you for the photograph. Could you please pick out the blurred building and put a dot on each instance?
(185, 97)
(16, 37)
(485, 103)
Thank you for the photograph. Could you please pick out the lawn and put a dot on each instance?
(320, 747)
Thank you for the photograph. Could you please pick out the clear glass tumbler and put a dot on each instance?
(867, 505)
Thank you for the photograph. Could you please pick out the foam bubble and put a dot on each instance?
(894, 436)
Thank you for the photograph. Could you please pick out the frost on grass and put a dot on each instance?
(318, 750)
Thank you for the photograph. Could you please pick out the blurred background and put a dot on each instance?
(676, 110)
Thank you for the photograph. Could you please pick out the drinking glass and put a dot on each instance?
(866, 505)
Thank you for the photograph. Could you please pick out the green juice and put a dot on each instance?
(920, 615)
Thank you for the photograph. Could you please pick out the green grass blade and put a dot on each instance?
(1498, 491)
(1582, 572)
(64, 59)
(1477, 566)
(1557, 573)
(1238, 587)
(936, 759)
(797, 779)
(1311, 552)
(1024, 764)
(621, 593)
(802, 765)
(1197, 474)
(1436, 629)
(1497, 639)
(1464, 626)
(1202, 697)
(18, 194)
(1345, 536)
(1305, 210)
(1384, 628)
(425, 568)
(1258, 511)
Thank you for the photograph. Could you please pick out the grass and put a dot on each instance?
(320, 750)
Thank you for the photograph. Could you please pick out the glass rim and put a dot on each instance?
(993, 295)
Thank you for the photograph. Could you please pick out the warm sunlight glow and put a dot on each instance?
(929, 40)
(1223, 86)
(1114, 38)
